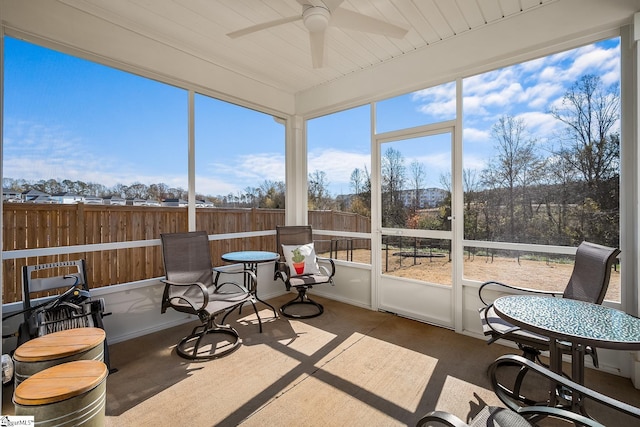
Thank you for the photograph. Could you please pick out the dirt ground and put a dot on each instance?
(551, 276)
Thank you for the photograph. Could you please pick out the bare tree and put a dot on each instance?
(272, 195)
(52, 186)
(558, 192)
(252, 196)
(590, 145)
(514, 168)
(318, 191)
(393, 179)
(417, 172)
(357, 178)
(360, 202)
(119, 190)
(472, 209)
(137, 190)
(445, 181)
(157, 191)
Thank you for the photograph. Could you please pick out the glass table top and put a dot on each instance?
(572, 320)
(250, 256)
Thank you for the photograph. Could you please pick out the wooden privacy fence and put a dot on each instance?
(32, 226)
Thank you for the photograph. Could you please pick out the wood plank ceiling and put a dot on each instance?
(280, 56)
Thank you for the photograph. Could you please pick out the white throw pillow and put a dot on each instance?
(301, 259)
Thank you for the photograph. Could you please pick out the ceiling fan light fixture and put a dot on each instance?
(316, 18)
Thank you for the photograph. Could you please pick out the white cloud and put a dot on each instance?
(474, 162)
(215, 187)
(440, 92)
(440, 109)
(238, 173)
(490, 82)
(438, 102)
(539, 124)
(590, 59)
(35, 152)
(505, 96)
(551, 73)
(538, 97)
(611, 77)
(474, 105)
(338, 165)
(534, 65)
(470, 134)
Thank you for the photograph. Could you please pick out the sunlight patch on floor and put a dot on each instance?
(369, 363)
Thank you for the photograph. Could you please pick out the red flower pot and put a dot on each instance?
(299, 266)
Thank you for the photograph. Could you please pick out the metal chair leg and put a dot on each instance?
(189, 350)
(302, 298)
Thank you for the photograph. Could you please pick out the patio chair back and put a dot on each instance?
(293, 235)
(589, 280)
(187, 259)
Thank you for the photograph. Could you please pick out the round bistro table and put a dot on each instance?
(250, 261)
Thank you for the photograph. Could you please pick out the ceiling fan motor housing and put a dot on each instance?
(316, 18)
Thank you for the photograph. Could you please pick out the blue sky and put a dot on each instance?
(67, 118)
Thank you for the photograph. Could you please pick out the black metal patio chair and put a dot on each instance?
(299, 267)
(523, 411)
(190, 288)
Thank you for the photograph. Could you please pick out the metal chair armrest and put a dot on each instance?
(441, 417)
(253, 280)
(563, 414)
(330, 261)
(199, 285)
(282, 272)
(514, 288)
(506, 396)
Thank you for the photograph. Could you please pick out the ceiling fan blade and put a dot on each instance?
(329, 4)
(332, 5)
(318, 52)
(263, 26)
(344, 18)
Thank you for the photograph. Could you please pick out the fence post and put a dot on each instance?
(80, 222)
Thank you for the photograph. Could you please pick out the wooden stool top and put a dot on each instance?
(60, 382)
(59, 344)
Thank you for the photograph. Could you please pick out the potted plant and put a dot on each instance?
(298, 261)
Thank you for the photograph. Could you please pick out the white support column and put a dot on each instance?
(376, 206)
(630, 164)
(296, 172)
(457, 212)
(1, 161)
(634, 129)
(191, 206)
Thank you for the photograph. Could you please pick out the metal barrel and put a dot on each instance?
(59, 347)
(69, 394)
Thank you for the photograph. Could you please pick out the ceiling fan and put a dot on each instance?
(318, 15)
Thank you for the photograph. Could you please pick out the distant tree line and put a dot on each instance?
(268, 195)
(136, 190)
